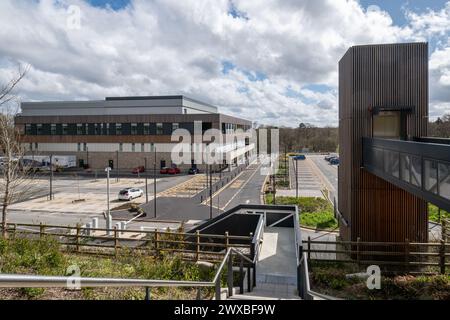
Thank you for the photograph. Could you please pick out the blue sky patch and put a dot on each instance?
(113, 4)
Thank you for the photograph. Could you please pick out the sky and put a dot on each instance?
(273, 62)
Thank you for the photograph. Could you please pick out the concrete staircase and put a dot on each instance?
(276, 277)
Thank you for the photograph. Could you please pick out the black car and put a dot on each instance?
(194, 171)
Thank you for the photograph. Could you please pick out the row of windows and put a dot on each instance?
(135, 147)
(102, 129)
(159, 128)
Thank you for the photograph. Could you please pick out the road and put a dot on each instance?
(329, 174)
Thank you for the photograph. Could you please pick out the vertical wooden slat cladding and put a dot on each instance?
(379, 75)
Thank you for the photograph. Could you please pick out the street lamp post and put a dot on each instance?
(146, 182)
(117, 166)
(51, 177)
(210, 193)
(296, 178)
(154, 182)
(108, 212)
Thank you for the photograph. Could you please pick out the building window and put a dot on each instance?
(175, 126)
(85, 146)
(120, 147)
(31, 147)
(152, 147)
(146, 128)
(79, 147)
(159, 128)
(53, 129)
(185, 111)
(80, 129)
(97, 129)
(142, 147)
(39, 129)
(65, 129)
(133, 147)
(118, 129)
(28, 129)
(36, 146)
(134, 128)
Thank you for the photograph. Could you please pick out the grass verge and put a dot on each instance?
(331, 279)
(315, 213)
(44, 257)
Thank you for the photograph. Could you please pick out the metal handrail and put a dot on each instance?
(33, 281)
(310, 294)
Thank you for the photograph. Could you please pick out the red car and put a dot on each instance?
(173, 171)
(164, 170)
(139, 169)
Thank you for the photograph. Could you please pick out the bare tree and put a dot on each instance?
(13, 177)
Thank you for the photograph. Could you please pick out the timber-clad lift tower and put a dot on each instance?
(383, 98)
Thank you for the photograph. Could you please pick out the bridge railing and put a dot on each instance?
(421, 168)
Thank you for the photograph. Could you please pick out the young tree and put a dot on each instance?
(14, 182)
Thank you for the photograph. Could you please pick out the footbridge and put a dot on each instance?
(420, 166)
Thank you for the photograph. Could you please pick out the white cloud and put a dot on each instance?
(178, 47)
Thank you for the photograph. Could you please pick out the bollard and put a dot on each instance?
(95, 223)
(123, 227)
(88, 230)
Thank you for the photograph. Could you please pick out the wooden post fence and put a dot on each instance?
(442, 257)
(116, 241)
(77, 240)
(197, 249)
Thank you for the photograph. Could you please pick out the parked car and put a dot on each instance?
(173, 171)
(164, 170)
(334, 161)
(193, 171)
(130, 193)
(139, 169)
(300, 157)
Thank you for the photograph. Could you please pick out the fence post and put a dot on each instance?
(407, 254)
(116, 240)
(78, 238)
(249, 279)
(309, 249)
(230, 275)
(218, 297)
(442, 257)
(443, 230)
(358, 240)
(41, 230)
(197, 249)
(241, 276)
(14, 231)
(147, 294)
(156, 242)
(227, 241)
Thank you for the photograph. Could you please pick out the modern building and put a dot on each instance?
(123, 131)
(389, 170)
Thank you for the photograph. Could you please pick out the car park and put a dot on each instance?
(130, 193)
